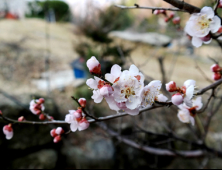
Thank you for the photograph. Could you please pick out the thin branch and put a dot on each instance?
(150, 8)
(216, 6)
(151, 150)
(212, 86)
(203, 74)
(183, 6)
(208, 102)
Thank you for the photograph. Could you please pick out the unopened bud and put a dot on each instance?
(42, 117)
(41, 101)
(82, 102)
(53, 133)
(217, 76)
(57, 139)
(59, 131)
(167, 19)
(21, 119)
(94, 66)
(172, 14)
(171, 86)
(220, 4)
(176, 21)
(177, 99)
(215, 68)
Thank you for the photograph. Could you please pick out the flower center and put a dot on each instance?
(204, 22)
(128, 91)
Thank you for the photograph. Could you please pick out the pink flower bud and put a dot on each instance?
(171, 86)
(21, 119)
(206, 38)
(167, 19)
(177, 99)
(59, 131)
(106, 90)
(172, 14)
(215, 68)
(176, 20)
(163, 11)
(156, 12)
(53, 133)
(94, 66)
(217, 76)
(42, 117)
(82, 102)
(41, 101)
(8, 131)
(57, 139)
(220, 4)
(78, 114)
(220, 30)
(83, 124)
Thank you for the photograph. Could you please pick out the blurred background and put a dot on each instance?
(44, 46)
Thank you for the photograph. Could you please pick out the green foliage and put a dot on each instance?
(39, 8)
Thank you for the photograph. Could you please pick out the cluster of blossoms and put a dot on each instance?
(183, 94)
(201, 25)
(124, 90)
(56, 134)
(217, 72)
(172, 16)
(37, 108)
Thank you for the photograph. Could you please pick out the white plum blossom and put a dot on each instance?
(201, 24)
(8, 131)
(128, 88)
(76, 122)
(186, 114)
(151, 93)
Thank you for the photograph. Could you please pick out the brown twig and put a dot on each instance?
(150, 8)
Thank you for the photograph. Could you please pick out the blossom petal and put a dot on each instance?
(190, 92)
(110, 78)
(188, 83)
(83, 126)
(198, 103)
(74, 126)
(161, 98)
(215, 24)
(116, 71)
(133, 102)
(112, 104)
(184, 116)
(134, 70)
(92, 84)
(192, 120)
(197, 42)
(97, 97)
(133, 112)
(208, 11)
(9, 135)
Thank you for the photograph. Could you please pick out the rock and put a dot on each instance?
(93, 154)
(152, 38)
(45, 159)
